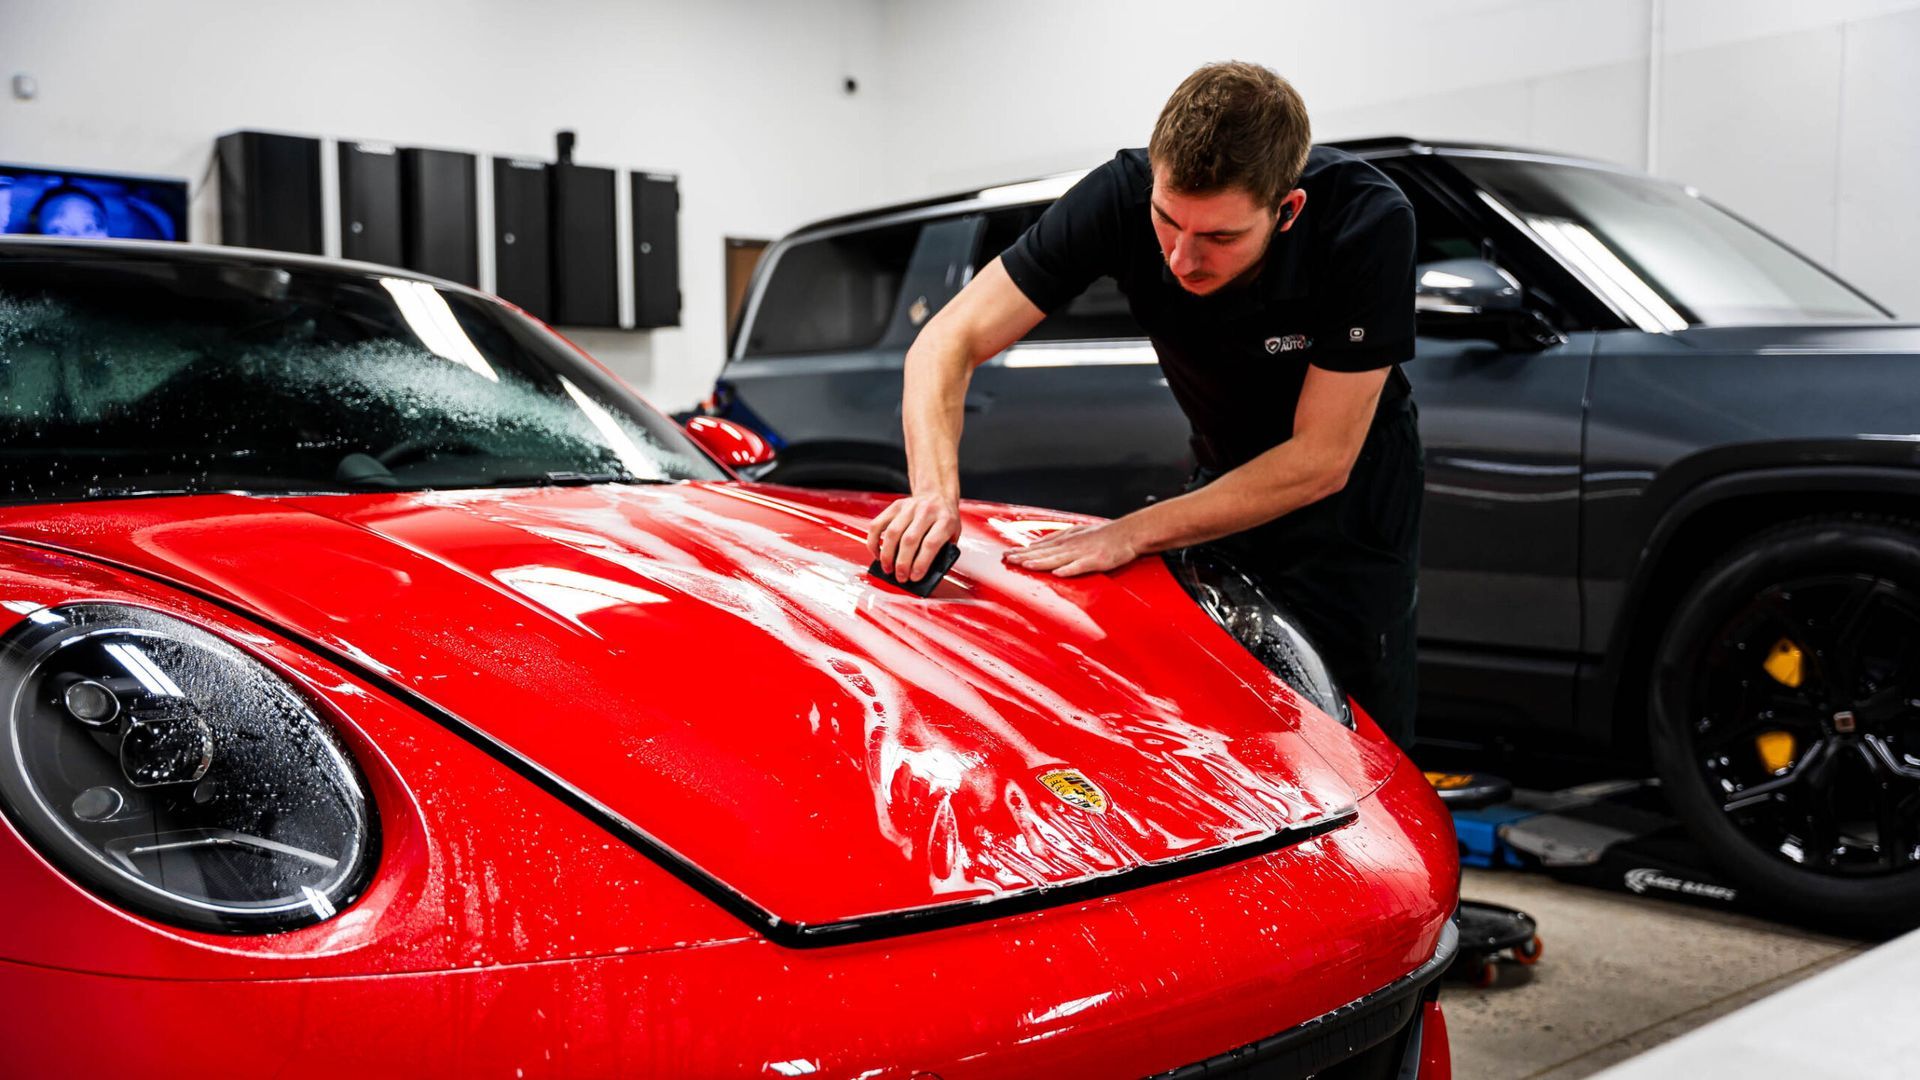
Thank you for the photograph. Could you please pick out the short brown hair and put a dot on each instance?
(1233, 124)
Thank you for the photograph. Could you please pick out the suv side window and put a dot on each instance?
(1445, 230)
(835, 294)
(1440, 232)
(1099, 314)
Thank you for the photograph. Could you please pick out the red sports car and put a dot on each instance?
(388, 691)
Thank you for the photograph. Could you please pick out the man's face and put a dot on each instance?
(1209, 240)
(72, 215)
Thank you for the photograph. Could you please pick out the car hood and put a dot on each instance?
(711, 665)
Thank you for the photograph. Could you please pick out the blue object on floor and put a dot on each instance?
(1479, 833)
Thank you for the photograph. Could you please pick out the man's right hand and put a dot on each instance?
(909, 533)
(989, 314)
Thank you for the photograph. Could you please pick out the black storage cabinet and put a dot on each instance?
(586, 283)
(440, 211)
(370, 223)
(270, 191)
(522, 243)
(656, 250)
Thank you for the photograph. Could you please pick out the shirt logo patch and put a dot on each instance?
(1356, 334)
(1288, 343)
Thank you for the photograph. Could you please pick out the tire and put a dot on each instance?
(1805, 793)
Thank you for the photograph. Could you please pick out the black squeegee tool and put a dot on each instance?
(943, 562)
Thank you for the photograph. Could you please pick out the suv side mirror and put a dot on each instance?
(737, 447)
(1464, 287)
(1473, 299)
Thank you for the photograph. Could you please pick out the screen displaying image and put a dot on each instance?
(55, 202)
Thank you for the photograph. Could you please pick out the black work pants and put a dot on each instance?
(1347, 568)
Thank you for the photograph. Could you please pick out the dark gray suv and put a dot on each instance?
(1673, 478)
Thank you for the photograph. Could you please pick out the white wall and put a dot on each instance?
(1800, 116)
(742, 98)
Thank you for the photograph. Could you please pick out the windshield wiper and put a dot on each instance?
(567, 478)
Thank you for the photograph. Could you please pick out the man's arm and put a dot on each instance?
(1329, 427)
(988, 315)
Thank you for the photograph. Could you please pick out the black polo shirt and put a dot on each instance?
(1334, 291)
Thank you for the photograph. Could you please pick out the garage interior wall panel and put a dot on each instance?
(586, 273)
(270, 191)
(370, 219)
(1597, 112)
(439, 211)
(1727, 109)
(656, 250)
(522, 244)
(1879, 161)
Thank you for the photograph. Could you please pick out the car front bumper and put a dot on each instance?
(1136, 983)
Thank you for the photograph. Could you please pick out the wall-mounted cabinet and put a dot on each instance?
(440, 212)
(270, 191)
(586, 276)
(554, 235)
(370, 218)
(522, 244)
(656, 250)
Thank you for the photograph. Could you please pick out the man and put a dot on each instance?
(1276, 283)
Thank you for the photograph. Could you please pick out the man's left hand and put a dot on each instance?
(1083, 549)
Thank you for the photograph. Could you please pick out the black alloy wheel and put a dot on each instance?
(1785, 713)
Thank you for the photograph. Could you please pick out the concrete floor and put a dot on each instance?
(1620, 974)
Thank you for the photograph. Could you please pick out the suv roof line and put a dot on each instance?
(971, 195)
(1376, 146)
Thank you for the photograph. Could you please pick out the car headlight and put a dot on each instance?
(175, 775)
(1240, 606)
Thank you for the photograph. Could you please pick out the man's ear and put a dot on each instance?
(1290, 207)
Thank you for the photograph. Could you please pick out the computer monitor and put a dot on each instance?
(64, 202)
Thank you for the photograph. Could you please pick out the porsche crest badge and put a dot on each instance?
(1075, 790)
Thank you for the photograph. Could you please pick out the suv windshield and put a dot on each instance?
(1665, 257)
(136, 375)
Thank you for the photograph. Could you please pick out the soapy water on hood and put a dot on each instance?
(931, 798)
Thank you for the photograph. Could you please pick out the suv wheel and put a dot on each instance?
(1785, 713)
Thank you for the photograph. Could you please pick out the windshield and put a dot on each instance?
(122, 376)
(1664, 256)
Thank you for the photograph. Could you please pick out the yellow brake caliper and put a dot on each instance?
(1787, 665)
